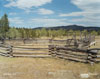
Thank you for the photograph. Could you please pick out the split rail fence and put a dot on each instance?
(29, 48)
(79, 55)
(49, 48)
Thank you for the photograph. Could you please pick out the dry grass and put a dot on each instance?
(37, 68)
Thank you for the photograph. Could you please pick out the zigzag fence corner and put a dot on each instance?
(5, 50)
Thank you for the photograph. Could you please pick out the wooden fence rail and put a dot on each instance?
(24, 51)
(88, 56)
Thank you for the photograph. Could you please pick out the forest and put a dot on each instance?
(8, 32)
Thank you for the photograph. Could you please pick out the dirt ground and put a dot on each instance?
(47, 68)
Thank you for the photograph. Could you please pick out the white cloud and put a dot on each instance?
(23, 4)
(12, 13)
(90, 12)
(37, 22)
(72, 14)
(87, 5)
(44, 11)
(49, 22)
(81, 13)
(16, 20)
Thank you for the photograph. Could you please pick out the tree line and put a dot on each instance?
(7, 32)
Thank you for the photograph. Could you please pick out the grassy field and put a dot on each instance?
(46, 68)
(38, 68)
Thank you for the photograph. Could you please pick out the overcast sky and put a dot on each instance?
(38, 13)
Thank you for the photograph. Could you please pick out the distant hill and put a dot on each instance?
(73, 27)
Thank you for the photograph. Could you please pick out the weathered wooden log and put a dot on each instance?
(2, 51)
(5, 45)
(2, 48)
(71, 49)
(30, 49)
(97, 56)
(93, 50)
(93, 43)
(96, 60)
(73, 59)
(26, 51)
(73, 53)
(79, 50)
(33, 45)
(4, 54)
(74, 56)
(5, 50)
(29, 53)
(33, 56)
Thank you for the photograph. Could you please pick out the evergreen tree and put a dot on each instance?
(4, 23)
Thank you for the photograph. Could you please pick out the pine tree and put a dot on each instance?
(4, 25)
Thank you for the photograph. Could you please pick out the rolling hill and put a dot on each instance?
(72, 27)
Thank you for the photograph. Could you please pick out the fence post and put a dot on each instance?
(50, 49)
(11, 51)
